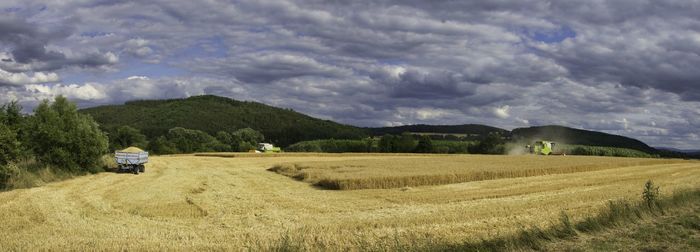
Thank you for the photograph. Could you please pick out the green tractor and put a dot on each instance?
(541, 147)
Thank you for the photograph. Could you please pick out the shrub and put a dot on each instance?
(7, 173)
(650, 194)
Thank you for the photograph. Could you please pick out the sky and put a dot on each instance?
(628, 67)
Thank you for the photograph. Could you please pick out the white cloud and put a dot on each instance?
(85, 92)
(502, 112)
(24, 79)
(135, 77)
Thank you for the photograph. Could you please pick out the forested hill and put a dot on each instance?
(284, 126)
(578, 136)
(212, 114)
(475, 129)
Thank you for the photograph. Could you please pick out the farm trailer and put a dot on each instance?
(133, 162)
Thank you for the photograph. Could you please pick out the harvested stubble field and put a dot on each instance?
(409, 171)
(213, 203)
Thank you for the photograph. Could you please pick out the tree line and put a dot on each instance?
(181, 140)
(404, 143)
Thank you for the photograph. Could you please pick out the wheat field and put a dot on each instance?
(188, 202)
(416, 170)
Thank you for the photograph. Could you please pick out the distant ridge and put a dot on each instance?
(582, 137)
(211, 114)
(477, 129)
(692, 152)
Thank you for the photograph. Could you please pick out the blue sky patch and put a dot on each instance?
(555, 36)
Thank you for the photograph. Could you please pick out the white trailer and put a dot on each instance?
(132, 161)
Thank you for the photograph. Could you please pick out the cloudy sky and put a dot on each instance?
(623, 67)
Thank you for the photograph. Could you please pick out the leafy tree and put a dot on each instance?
(492, 143)
(425, 145)
(126, 136)
(11, 115)
(246, 139)
(386, 143)
(369, 145)
(229, 142)
(405, 143)
(224, 137)
(189, 140)
(161, 145)
(248, 135)
(62, 137)
(245, 146)
(9, 146)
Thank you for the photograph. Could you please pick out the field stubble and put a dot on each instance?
(193, 203)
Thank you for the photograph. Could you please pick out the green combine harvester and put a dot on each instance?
(268, 148)
(541, 148)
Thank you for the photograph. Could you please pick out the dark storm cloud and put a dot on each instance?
(625, 67)
(435, 85)
(649, 44)
(28, 45)
(266, 68)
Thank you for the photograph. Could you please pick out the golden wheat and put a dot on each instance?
(403, 171)
(209, 203)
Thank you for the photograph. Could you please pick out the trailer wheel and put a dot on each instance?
(142, 168)
(135, 169)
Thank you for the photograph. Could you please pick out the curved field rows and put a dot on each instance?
(189, 202)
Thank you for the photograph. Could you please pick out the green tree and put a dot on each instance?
(228, 141)
(161, 145)
(62, 137)
(405, 143)
(9, 145)
(126, 136)
(12, 115)
(492, 143)
(224, 137)
(425, 145)
(386, 143)
(189, 140)
(247, 138)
